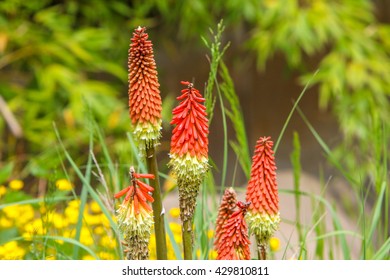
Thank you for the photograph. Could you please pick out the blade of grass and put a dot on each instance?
(176, 247)
(335, 218)
(35, 201)
(292, 111)
(225, 139)
(296, 165)
(83, 198)
(383, 252)
(91, 191)
(375, 219)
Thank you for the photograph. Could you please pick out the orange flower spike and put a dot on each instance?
(226, 208)
(189, 147)
(234, 241)
(135, 216)
(144, 94)
(262, 191)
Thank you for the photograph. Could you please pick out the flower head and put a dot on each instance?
(144, 93)
(234, 241)
(16, 185)
(262, 191)
(135, 216)
(64, 185)
(226, 208)
(189, 147)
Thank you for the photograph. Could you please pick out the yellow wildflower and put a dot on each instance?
(274, 244)
(174, 212)
(92, 219)
(99, 230)
(64, 185)
(106, 256)
(88, 258)
(94, 206)
(12, 251)
(170, 183)
(3, 191)
(108, 242)
(16, 185)
(74, 203)
(85, 237)
(5, 223)
(71, 214)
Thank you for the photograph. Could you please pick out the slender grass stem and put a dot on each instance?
(158, 210)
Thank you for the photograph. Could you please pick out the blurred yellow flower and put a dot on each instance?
(86, 237)
(94, 206)
(16, 185)
(64, 185)
(11, 251)
(5, 223)
(210, 233)
(169, 183)
(3, 191)
(274, 244)
(174, 212)
(106, 256)
(88, 258)
(74, 203)
(99, 230)
(108, 242)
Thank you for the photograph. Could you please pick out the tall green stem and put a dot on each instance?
(158, 213)
(187, 236)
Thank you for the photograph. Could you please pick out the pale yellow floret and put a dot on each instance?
(263, 226)
(189, 168)
(147, 134)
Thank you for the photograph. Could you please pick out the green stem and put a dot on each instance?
(261, 249)
(187, 236)
(158, 213)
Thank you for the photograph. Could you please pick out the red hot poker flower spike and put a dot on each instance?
(226, 208)
(135, 216)
(234, 241)
(144, 94)
(262, 191)
(189, 147)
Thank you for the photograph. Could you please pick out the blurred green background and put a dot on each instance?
(64, 62)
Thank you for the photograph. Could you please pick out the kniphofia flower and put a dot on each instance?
(234, 241)
(226, 208)
(135, 216)
(189, 147)
(262, 191)
(144, 93)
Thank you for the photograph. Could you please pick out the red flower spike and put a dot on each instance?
(226, 208)
(135, 216)
(144, 94)
(190, 134)
(234, 241)
(262, 190)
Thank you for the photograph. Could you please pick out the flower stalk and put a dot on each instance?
(145, 113)
(263, 213)
(189, 156)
